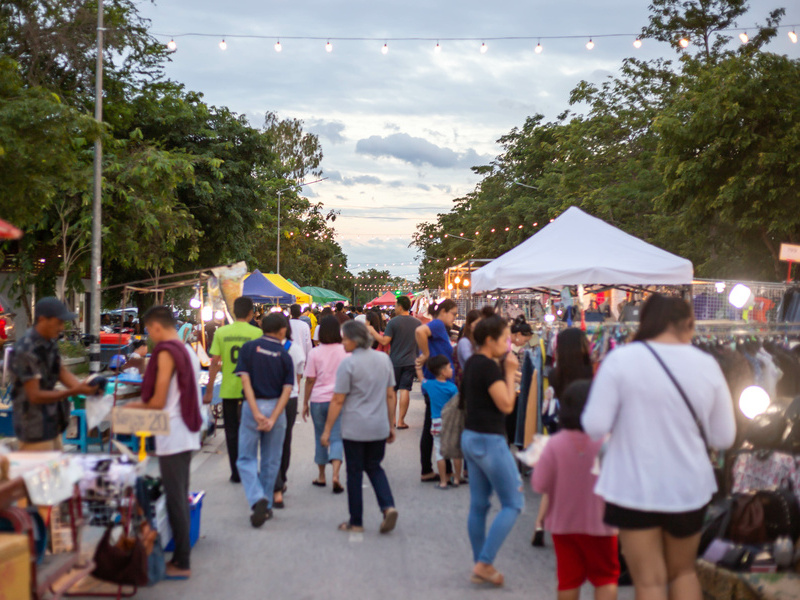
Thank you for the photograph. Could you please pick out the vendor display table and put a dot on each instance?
(721, 584)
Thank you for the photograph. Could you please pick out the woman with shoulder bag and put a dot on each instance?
(664, 402)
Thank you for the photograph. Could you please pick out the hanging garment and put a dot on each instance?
(529, 379)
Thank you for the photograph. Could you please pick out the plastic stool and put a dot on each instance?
(83, 440)
(131, 441)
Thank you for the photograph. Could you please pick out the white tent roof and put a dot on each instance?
(576, 249)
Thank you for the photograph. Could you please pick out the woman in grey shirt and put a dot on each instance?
(364, 396)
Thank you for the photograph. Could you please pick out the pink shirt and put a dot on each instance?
(564, 474)
(322, 363)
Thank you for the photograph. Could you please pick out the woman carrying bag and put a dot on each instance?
(663, 402)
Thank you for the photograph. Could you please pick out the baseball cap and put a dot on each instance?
(53, 307)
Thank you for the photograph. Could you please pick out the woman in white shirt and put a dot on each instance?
(656, 477)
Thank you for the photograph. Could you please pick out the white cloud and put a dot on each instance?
(418, 151)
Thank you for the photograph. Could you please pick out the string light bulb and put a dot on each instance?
(329, 47)
(683, 42)
(385, 49)
(223, 45)
(538, 48)
(172, 46)
(793, 36)
(589, 44)
(278, 47)
(484, 48)
(437, 48)
(743, 37)
(637, 43)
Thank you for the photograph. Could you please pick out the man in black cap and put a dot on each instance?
(41, 413)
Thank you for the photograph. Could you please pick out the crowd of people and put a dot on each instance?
(624, 466)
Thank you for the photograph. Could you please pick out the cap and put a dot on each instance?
(51, 307)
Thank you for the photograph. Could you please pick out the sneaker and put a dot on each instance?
(261, 513)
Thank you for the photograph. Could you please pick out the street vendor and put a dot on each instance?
(41, 413)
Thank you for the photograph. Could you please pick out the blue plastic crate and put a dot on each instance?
(6, 423)
(195, 508)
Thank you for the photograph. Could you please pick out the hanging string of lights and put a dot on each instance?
(172, 45)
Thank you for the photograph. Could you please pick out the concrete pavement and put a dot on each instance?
(300, 554)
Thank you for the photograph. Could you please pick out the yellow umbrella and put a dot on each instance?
(286, 286)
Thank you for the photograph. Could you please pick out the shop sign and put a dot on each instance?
(790, 253)
(133, 421)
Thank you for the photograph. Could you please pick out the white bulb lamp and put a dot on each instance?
(753, 401)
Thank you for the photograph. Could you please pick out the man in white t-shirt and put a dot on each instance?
(301, 332)
(171, 384)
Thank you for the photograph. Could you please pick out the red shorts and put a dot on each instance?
(581, 557)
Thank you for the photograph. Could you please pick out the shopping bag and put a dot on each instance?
(453, 418)
(123, 562)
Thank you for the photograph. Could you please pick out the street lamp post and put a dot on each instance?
(97, 210)
(291, 187)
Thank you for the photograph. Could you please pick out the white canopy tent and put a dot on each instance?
(577, 249)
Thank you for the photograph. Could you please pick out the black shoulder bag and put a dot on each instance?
(683, 395)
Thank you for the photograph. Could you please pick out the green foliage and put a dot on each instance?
(698, 157)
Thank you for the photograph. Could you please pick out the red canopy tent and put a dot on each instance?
(8, 231)
(388, 299)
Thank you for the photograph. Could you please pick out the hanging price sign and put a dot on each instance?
(133, 421)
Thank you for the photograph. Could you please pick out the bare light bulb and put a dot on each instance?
(793, 37)
(538, 48)
(743, 37)
(385, 49)
(465, 283)
(219, 315)
(194, 302)
(437, 48)
(328, 47)
(207, 314)
(223, 45)
(457, 280)
(484, 48)
(278, 46)
(753, 401)
(589, 44)
(172, 46)
(684, 43)
(637, 43)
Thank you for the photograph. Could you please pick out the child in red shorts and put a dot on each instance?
(586, 548)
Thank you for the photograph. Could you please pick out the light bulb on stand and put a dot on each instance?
(637, 43)
(223, 45)
(538, 48)
(484, 48)
(172, 46)
(278, 46)
(329, 47)
(753, 401)
(589, 44)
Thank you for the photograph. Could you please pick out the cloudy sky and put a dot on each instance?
(401, 130)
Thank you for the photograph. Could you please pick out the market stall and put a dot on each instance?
(284, 284)
(261, 290)
(322, 295)
(578, 249)
(388, 299)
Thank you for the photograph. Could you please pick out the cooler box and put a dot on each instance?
(115, 339)
(195, 508)
(6, 422)
(15, 566)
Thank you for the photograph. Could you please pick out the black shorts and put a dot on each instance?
(679, 525)
(404, 377)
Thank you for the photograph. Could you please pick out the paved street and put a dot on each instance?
(301, 555)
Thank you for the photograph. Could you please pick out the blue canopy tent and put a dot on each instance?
(259, 289)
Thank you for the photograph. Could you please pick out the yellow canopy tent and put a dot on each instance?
(286, 286)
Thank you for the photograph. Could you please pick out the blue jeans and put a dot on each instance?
(491, 467)
(365, 456)
(319, 415)
(258, 482)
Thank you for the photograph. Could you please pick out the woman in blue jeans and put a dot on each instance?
(488, 393)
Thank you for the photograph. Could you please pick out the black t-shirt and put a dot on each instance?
(483, 415)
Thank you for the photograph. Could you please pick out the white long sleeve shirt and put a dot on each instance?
(656, 459)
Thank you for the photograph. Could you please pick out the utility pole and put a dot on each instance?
(97, 209)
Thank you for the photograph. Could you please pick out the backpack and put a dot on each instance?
(453, 418)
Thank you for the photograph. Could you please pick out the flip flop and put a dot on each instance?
(337, 487)
(346, 526)
(402, 427)
(496, 580)
(319, 483)
(430, 479)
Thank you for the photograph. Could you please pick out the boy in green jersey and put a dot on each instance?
(224, 356)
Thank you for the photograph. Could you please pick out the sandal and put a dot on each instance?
(402, 427)
(496, 580)
(346, 526)
(319, 483)
(337, 487)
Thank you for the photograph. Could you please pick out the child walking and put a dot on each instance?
(586, 549)
(440, 390)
